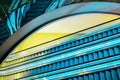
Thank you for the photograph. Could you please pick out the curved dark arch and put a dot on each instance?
(44, 19)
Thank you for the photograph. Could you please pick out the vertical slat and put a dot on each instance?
(118, 72)
(114, 74)
(119, 29)
(115, 31)
(100, 54)
(42, 69)
(91, 77)
(60, 47)
(90, 56)
(86, 39)
(105, 34)
(109, 32)
(95, 55)
(73, 43)
(102, 76)
(65, 46)
(58, 65)
(30, 72)
(38, 70)
(95, 37)
(77, 42)
(85, 77)
(62, 64)
(80, 59)
(46, 68)
(108, 75)
(49, 51)
(67, 63)
(76, 61)
(34, 71)
(111, 51)
(69, 45)
(85, 57)
(57, 48)
(54, 66)
(71, 62)
(53, 50)
(81, 41)
(50, 67)
(90, 38)
(105, 53)
(99, 35)
(117, 50)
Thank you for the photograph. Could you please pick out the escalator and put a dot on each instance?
(37, 8)
(4, 31)
(91, 53)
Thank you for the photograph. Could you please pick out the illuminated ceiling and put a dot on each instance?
(63, 27)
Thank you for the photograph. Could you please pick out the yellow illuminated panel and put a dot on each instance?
(39, 38)
(64, 27)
